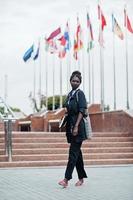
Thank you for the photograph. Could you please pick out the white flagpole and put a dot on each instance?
(83, 67)
(101, 63)
(53, 81)
(5, 86)
(114, 68)
(46, 79)
(68, 69)
(6, 92)
(78, 51)
(127, 84)
(46, 74)
(40, 77)
(102, 78)
(92, 78)
(60, 83)
(89, 64)
(68, 59)
(89, 76)
(34, 85)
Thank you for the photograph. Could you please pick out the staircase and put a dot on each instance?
(36, 149)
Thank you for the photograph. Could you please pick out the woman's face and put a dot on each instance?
(75, 82)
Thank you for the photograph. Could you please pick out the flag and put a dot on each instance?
(103, 21)
(89, 26)
(100, 39)
(78, 44)
(75, 49)
(36, 53)
(51, 46)
(62, 40)
(101, 27)
(79, 35)
(116, 28)
(62, 53)
(54, 34)
(64, 43)
(127, 22)
(101, 17)
(28, 53)
(67, 37)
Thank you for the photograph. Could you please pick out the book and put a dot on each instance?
(63, 121)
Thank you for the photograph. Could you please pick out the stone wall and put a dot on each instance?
(112, 121)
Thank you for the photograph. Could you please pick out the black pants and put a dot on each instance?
(75, 160)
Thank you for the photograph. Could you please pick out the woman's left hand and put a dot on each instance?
(75, 131)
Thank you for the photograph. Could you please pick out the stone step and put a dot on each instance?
(2, 140)
(62, 134)
(65, 150)
(51, 149)
(2, 145)
(64, 145)
(60, 140)
(2, 151)
(64, 162)
(3, 158)
(65, 156)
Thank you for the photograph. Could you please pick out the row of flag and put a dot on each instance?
(60, 43)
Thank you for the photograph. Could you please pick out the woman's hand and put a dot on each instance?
(75, 131)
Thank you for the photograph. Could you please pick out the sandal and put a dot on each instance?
(63, 183)
(80, 182)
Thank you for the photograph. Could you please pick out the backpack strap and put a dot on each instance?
(77, 97)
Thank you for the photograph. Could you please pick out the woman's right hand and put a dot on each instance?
(75, 131)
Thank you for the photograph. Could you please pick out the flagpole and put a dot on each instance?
(53, 106)
(68, 69)
(83, 67)
(6, 92)
(89, 77)
(34, 84)
(68, 60)
(101, 63)
(78, 52)
(40, 77)
(46, 66)
(102, 78)
(88, 49)
(92, 78)
(60, 83)
(114, 69)
(127, 84)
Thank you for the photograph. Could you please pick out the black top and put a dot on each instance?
(75, 103)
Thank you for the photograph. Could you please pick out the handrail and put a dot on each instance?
(8, 117)
(8, 138)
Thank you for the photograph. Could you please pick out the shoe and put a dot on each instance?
(63, 183)
(80, 182)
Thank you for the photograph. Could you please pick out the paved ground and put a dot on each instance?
(103, 183)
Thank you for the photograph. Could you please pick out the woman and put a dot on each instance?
(75, 130)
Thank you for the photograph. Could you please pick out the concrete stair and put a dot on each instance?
(34, 149)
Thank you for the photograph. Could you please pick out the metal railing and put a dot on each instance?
(8, 117)
(8, 138)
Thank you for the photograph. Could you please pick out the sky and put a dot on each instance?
(23, 22)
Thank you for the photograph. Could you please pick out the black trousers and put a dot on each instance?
(75, 160)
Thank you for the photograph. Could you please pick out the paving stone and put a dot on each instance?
(103, 183)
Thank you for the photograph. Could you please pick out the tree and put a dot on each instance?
(57, 102)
